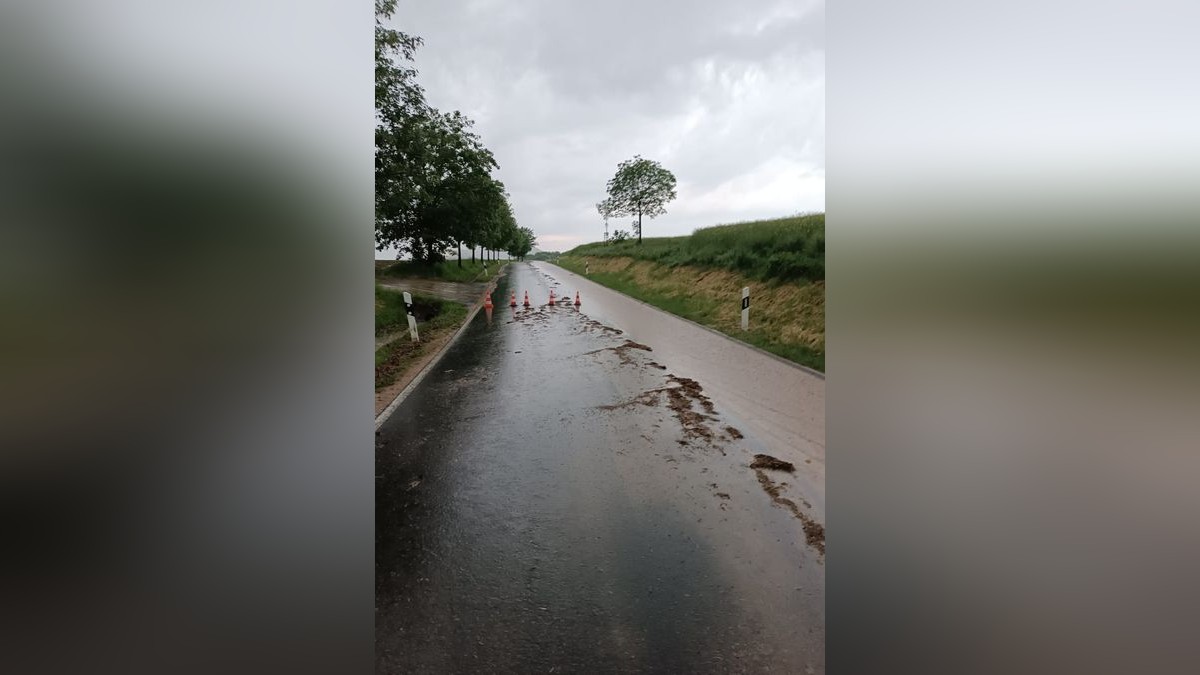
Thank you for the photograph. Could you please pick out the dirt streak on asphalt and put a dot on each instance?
(781, 406)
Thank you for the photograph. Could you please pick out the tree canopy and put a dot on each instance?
(434, 187)
(522, 243)
(640, 187)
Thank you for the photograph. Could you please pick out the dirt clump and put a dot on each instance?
(769, 462)
(687, 384)
(814, 532)
(814, 535)
(733, 433)
(693, 423)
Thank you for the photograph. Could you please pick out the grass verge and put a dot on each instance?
(783, 249)
(448, 270)
(435, 319)
(786, 319)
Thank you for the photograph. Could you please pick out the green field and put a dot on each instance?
(784, 249)
(448, 270)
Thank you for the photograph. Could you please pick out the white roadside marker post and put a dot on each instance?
(746, 308)
(412, 320)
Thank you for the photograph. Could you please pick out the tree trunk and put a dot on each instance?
(460, 254)
(639, 227)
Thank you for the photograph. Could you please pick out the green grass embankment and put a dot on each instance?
(700, 277)
(783, 249)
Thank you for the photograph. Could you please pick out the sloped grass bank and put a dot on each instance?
(786, 318)
(783, 249)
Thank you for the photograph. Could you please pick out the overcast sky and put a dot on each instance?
(728, 95)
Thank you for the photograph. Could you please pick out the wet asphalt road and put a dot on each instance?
(541, 507)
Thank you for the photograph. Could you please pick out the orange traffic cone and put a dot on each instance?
(576, 298)
(512, 299)
(526, 298)
(487, 300)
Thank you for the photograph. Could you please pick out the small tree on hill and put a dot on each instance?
(605, 208)
(640, 187)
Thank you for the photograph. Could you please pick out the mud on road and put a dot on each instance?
(694, 411)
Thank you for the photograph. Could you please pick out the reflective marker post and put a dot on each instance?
(412, 320)
(746, 308)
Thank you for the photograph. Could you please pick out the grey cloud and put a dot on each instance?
(563, 91)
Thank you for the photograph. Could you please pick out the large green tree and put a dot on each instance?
(433, 175)
(402, 123)
(641, 187)
(458, 190)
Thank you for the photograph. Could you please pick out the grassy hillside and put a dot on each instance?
(783, 249)
(700, 277)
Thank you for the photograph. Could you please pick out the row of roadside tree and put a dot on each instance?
(434, 183)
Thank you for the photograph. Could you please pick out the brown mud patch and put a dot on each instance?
(681, 400)
(734, 433)
(769, 462)
(528, 315)
(594, 326)
(814, 532)
(622, 351)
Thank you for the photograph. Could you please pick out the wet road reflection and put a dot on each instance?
(548, 501)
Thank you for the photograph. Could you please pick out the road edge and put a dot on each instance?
(816, 373)
(391, 407)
